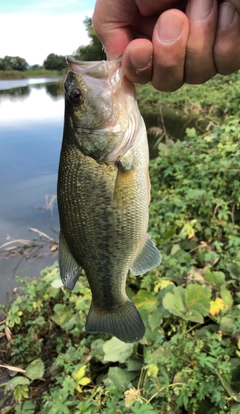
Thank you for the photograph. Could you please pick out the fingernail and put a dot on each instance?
(170, 27)
(199, 9)
(139, 61)
(226, 15)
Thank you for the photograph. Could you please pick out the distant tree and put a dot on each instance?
(35, 67)
(13, 63)
(93, 51)
(55, 62)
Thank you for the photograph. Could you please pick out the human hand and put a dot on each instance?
(169, 46)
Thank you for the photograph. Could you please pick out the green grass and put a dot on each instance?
(216, 98)
(30, 73)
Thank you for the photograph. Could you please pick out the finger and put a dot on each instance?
(227, 46)
(137, 61)
(151, 7)
(116, 26)
(199, 65)
(169, 49)
(113, 25)
(235, 3)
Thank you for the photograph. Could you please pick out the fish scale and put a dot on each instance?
(103, 196)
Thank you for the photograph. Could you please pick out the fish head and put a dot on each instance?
(99, 101)
(89, 90)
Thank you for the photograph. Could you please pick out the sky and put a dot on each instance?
(32, 29)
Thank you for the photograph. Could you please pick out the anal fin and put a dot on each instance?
(148, 258)
(70, 270)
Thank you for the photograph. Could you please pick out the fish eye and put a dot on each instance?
(75, 95)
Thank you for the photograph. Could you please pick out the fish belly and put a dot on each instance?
(103, 211)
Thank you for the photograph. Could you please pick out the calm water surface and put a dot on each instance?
(31, 123)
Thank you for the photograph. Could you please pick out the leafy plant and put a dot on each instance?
(189, 359)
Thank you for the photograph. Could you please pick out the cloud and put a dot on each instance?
(34, 36)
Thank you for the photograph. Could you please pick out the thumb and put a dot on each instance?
(113, 25)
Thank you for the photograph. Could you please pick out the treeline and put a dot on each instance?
(52, 62)
(13, 63)
(93, 51)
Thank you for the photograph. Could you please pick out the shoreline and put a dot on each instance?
(31, 73)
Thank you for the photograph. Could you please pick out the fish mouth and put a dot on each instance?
(96, 69)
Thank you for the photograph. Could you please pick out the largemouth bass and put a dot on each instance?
(104, 193)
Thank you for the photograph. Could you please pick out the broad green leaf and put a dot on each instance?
(14, 382)
(167, 235)
(163, 148)
(215, 278)
(80, 373)
(175, 249)
(57, 283)
(35, 369)
(226, 325)
(228, 388)
(133, 365)
(198, 299)
(155, 319)
(193, 316)
(191, 132)
(117, 351)
(175, 302)
(145, 300)
(206, 330)
(191, 303)
(179, 377)
(142, 408)
(234, 270)
(235, 409)
(84, 381)
(120, 377)
(63, 316)
(26, 408)
(97, 349)
(226, 296)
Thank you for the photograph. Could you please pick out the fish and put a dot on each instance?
(103, 194)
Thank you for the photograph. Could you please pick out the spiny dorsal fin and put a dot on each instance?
(69, 268)
(148, 258)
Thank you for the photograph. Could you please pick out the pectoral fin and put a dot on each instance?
(124, 180)
(148, 258)
(70, 270)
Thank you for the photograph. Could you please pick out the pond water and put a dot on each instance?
(31, 123)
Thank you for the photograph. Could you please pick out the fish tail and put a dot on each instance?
(123, 321)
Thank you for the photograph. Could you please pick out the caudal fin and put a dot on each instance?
(123, 321)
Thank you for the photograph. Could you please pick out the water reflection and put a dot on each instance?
(55, 90)
(16, 93)
(31, 123)
(16, 83)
